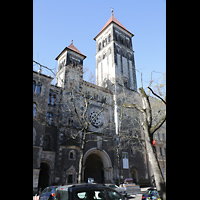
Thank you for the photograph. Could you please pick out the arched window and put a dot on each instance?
(109, 38)
(49, 99)
(34, 109)
(104, 42)
(34, 86)
(72, 155)
(38, 89)
(99, 46)
(116, 36)
(70, 121)
(46, 142)
(127, 43)
(49, 118)
(53, 100)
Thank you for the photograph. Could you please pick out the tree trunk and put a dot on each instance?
(81, 157)
(147, 113)
(80, 167)
(160, 185)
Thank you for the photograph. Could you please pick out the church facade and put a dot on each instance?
(76, 120)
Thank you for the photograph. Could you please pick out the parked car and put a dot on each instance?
(128, 181)
(151, 193)
(87, 191)
(121, 190)
(48, 193)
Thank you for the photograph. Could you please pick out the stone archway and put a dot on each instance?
(44, 176)
(97, 163)
(94, 168)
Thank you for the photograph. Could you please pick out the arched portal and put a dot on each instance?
(94, 168)
(43, 176)
(97, 165)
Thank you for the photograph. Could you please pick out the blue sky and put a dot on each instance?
(57, 22)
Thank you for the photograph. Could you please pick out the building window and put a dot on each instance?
(99, 46)
(38, 89)
(163, 135)
(104, 42)
(109, 38)
(49, 118)
(70, 121)
(46, 142)
(52, 99)
(72, 155)
(160, 151)
(49, 99)
(158, 136)
(34, 86)
(74, 63)
(34, 109)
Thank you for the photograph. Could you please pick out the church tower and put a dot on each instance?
(70, 66)
(115, 55)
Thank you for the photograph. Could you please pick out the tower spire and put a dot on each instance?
(112, 10)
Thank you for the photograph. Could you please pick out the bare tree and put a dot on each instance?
(73, 103)
(149, 130)
(80, 98)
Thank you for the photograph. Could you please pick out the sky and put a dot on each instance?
(57, 22)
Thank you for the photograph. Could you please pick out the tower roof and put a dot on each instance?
(114, 20)
(72, 48)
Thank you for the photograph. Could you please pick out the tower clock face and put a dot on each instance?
(97, 120)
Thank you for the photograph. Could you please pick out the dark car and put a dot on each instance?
(87, 191)
(48, 193)
(151, 193)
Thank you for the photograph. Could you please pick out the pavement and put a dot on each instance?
(138, 196)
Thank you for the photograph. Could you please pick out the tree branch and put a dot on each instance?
(147, 106)
(158, 125)
(157, 95)
(134, 106)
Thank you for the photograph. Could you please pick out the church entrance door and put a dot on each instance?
(94, 169)
(43, 176)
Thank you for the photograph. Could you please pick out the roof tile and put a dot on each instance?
(112, 19)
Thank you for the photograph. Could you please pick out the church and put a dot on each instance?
(81, 130)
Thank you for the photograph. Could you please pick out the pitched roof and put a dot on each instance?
(113, 19)
(71, 47)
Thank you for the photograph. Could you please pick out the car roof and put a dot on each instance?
(81, 185)
(151, 188)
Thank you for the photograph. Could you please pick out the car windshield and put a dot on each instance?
(113, 186)
(153, 192)
(91, 194)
